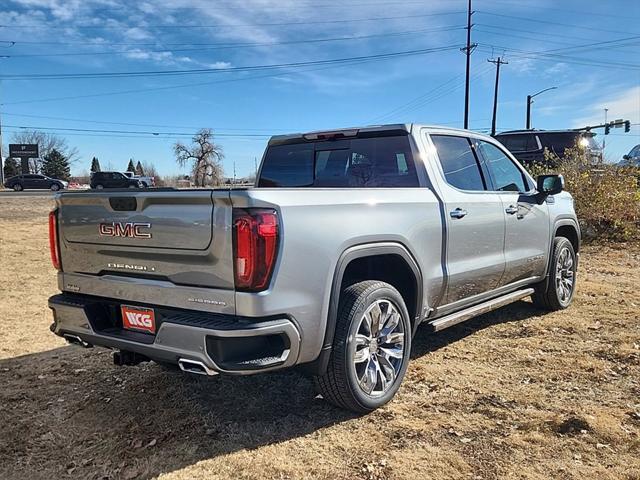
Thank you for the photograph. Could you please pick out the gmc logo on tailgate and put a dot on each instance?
(128, 229)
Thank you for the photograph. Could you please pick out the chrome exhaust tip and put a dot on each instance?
(76, 340)
(196, 367)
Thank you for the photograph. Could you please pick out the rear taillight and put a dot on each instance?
(53, 239)
(255, 245)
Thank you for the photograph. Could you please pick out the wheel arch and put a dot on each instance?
(569, 229)
(349, 268)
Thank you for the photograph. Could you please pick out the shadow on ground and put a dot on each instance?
(70, 412)
(425, 342)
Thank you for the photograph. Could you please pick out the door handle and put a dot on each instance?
(511, 210)
(458, 213)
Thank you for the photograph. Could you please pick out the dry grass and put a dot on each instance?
(512, 394)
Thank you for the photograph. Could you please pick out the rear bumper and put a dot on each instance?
(222, 343)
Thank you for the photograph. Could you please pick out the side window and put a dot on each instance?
(506, 176)
(519, 142)
(459, 163)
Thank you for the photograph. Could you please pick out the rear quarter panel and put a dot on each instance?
(318, 225)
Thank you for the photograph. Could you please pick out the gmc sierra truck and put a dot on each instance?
(348, 242)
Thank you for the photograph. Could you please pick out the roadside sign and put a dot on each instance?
(23, 150)
(618, 123)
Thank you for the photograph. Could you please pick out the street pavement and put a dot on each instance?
(26, 193)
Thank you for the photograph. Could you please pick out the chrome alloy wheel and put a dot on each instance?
(565, 275)
(379, 348)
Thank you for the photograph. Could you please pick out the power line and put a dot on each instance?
(178, 86)
(133, 132)
(307, 5)
(534, 32)
(417, 100)
(431, 96)
(138, 137)
(564, 58)
(225, 46)
(548, 22)
(220, 25)
(104, 122)
(576, 12)
(502, 33)
(198, 71)
(172, 87)
(445, 93)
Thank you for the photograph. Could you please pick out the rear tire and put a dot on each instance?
(99, 187)
(556, 293)
(17, 187)
(371, 348)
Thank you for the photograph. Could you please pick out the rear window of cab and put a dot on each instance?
(356, 163)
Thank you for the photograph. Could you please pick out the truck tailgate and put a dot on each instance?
(178, 236)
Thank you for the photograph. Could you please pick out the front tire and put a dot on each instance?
(371, 348)
(55, 187)
(17, 187)
(556, 293)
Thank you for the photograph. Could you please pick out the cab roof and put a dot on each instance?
(360, 132)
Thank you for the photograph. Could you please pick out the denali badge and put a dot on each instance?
(128, 229)
(131, 266)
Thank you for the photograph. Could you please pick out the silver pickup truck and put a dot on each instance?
(349, 241)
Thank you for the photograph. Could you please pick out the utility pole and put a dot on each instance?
(604, 138)
(1, 157)
(467, 50)
(499, 61)
(11, 44)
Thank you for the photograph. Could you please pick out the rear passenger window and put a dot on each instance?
(506, 176)
(459, 163)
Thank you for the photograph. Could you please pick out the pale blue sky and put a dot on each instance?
(591, 53)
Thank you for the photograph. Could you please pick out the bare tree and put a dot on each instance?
(150, 170)
(47, 142)
(204, 157)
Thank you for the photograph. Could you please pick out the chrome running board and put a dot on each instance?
(470, 312)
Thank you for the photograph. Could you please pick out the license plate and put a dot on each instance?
(136, 318)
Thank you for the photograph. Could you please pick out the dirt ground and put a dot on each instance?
(516, 393)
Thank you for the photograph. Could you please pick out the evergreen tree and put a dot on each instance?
(95, 165)
(11, 167)
(56, 165)
(139, 169)
(131, 168)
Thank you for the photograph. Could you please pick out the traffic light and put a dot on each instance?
(607, 127)
(627, 126)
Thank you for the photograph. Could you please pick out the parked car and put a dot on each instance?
(632, 159)
(147, 182)
(350, 241)
(528, 146)
(100, 180)
(32, 181)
